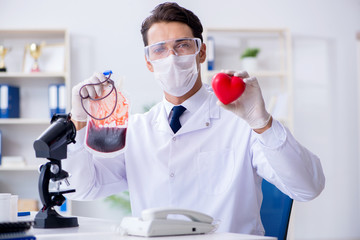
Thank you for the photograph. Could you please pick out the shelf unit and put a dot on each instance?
(274, 63)
(18, 134)
(34, 110)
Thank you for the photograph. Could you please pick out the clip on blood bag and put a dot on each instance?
(107, 121)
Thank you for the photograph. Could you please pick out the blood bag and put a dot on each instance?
(107, 121)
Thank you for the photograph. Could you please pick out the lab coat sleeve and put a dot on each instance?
(292, 168)
(93, 177)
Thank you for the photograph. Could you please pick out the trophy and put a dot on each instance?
(3, 51)
(35, 52)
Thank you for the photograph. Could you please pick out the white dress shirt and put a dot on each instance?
(214, 164)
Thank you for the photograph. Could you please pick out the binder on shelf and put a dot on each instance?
(53, 99)
(9, 101)
(211, 57)
(62, 98)
(57, 99)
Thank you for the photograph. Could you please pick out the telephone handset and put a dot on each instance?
(156, 222)
(162, 213)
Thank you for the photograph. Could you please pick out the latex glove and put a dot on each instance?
(250, 106)
(77, 111)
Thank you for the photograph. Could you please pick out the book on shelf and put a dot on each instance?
(9, 101)
(57, 99)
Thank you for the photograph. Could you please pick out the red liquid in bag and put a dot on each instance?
(106, 139)
(108, 135)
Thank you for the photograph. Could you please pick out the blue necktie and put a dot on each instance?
(175, 122)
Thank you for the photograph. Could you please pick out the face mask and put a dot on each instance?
(176, 75)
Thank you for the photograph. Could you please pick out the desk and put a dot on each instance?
(92, 228)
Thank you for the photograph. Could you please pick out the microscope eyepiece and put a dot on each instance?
(53, 142)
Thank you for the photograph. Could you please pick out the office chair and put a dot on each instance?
(275, 211)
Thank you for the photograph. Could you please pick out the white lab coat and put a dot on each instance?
(214, 164)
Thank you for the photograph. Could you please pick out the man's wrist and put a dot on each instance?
(263, 129)
(78, 125)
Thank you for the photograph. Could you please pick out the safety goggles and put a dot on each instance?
(180, 47)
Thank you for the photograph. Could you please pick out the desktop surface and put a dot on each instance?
(92, 228)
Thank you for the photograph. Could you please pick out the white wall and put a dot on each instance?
(106, 35)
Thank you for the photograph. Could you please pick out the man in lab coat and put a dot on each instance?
(216, 161)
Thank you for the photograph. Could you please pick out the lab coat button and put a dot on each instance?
(172, 175)
(174, 139)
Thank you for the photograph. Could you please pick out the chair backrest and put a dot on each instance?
(275, 211)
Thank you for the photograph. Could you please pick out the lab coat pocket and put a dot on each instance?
(215, 171)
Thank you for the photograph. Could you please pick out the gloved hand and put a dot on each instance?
(250, 106)
(77, 111)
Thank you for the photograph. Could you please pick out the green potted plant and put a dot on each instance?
(120, 201)
(249, 59)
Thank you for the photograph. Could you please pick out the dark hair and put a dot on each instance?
(172, 12)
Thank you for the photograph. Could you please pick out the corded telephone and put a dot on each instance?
(155, 222)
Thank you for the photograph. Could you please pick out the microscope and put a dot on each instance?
(52, 144)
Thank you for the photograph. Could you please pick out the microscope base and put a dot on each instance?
(49, 218)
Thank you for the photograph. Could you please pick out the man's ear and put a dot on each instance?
(148, 65)
(202, 53)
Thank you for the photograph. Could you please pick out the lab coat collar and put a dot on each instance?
(192, 104)
(202, 106)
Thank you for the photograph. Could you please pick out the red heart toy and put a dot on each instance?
(226, 88)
